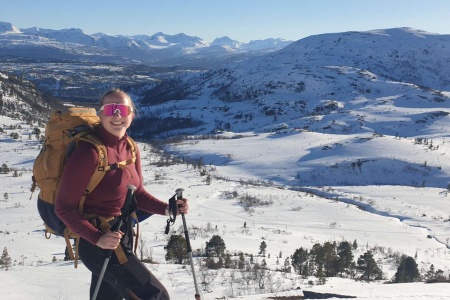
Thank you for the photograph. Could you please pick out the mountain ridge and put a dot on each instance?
(157, 49)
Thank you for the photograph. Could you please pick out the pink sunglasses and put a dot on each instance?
(111, 109)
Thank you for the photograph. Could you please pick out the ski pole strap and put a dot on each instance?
(172, 213)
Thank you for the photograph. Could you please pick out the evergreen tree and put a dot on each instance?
(264, 263)
(355, 245)
(176, 249)
(431, 274)
(241, 262)
(299, 260)
(368, 267)
(440, 277)
(407, 271)
(5, 260)
(345, 257)
(215, 246)
(317, 255)
(4, 169)
(330, 259)
(228, 263)
(262, 248)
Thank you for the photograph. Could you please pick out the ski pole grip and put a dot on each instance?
(179, 193)
(126, 205)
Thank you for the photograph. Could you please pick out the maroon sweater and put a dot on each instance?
(109, 196)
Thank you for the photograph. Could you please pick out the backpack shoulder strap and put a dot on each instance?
(102, 167)
(133, 148)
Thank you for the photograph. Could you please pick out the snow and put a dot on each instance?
(356, 172)
(395, 218)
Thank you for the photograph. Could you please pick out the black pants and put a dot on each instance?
(120, 279)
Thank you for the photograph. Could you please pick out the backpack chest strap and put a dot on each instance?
(117, 165)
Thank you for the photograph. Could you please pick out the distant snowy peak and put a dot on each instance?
(261, 45)
(181, 39)
(71, 35)
(226, 41)
(158, 39)
(6, 27)
(187, 40)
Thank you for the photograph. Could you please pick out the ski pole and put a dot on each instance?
(179, 193)
(123, 213)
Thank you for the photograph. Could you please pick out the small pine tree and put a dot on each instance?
(208, 179)
(431, 273)
(287, 265)
(300, 260)
(176, 249)
(262, 248)
(228, 263)
(355, 245)
(241, 262)
(215, 246)
(5, 260)
(367, 265)
(4, 169)
(407, 271)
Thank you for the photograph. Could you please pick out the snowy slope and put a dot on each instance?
(395, 219)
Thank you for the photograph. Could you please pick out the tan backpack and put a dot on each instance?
(62, 133)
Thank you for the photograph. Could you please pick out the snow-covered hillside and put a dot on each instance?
(389, 220)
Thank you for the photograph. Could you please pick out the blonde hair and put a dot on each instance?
(117, 92)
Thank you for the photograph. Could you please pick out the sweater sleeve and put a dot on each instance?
(145, 200)
(76, 176)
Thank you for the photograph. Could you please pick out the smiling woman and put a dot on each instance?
(105, 206)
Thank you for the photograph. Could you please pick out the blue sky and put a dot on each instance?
(242, 20)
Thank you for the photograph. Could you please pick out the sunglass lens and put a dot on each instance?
(111, 109)
(123, 109)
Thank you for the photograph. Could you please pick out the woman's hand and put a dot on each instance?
(183, 206)
(109, 240)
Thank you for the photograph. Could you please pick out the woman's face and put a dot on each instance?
(116, 124)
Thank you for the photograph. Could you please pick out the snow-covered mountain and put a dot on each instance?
(331, 82)
(226, 41)
(158, 49)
